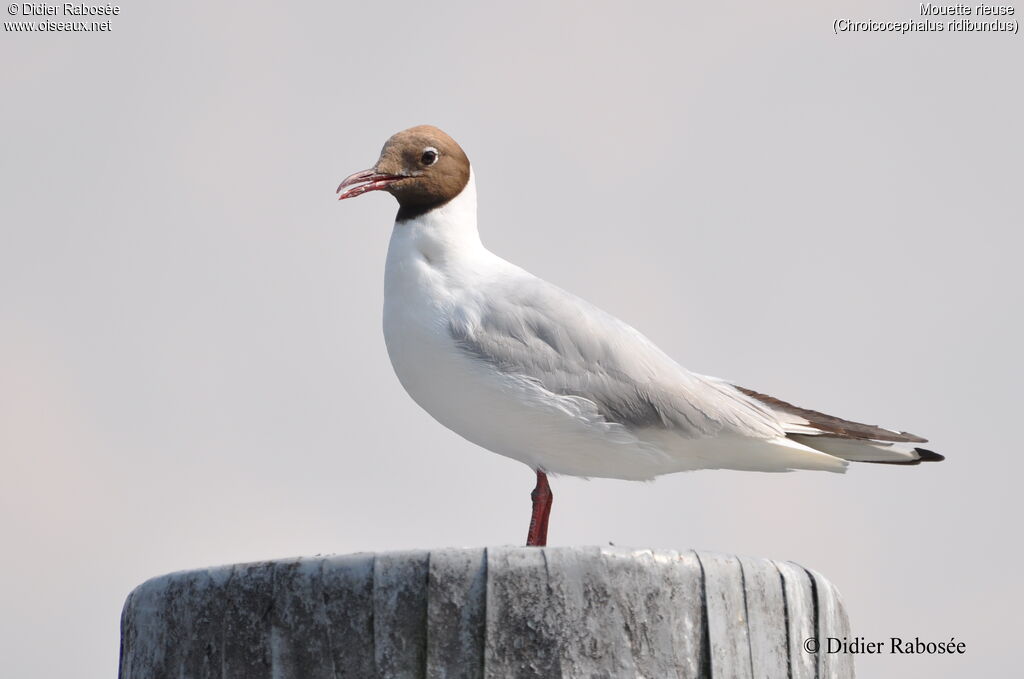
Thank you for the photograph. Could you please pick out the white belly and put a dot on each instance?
(506, 414)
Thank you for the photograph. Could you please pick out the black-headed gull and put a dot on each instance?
(527, 370)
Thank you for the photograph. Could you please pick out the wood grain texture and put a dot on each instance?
(832, 622)
(801, 618)
(400, 582)
(728, 632)
(456, 614)
(766, 607)
(595, 612)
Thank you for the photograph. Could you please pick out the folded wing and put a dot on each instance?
(571, 348)
(854, 441)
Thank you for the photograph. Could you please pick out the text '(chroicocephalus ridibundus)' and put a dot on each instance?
(527, 370)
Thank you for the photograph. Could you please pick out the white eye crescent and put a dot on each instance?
(430, 156)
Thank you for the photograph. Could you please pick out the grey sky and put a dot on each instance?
(191, 363)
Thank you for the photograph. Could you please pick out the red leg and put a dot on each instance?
(542, 497)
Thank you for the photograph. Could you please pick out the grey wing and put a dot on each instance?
(531, 328)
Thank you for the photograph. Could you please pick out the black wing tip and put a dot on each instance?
(925, 455)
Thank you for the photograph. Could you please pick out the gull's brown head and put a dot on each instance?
(422, 167)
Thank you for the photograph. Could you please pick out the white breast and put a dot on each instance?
(436, 267)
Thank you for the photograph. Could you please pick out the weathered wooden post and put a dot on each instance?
(495, 612)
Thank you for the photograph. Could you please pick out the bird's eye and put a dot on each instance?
(429, 156)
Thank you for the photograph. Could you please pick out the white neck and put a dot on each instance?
(443, 234)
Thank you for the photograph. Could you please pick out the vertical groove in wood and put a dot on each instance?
(456, 614)
(521, 617)
(832, 623)
(248, 599)
(766, 608)
(800, 617)
(590, 640)
(659, 606)
(726, 611)
(348, 606)
(300, 633)
(400, 614)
